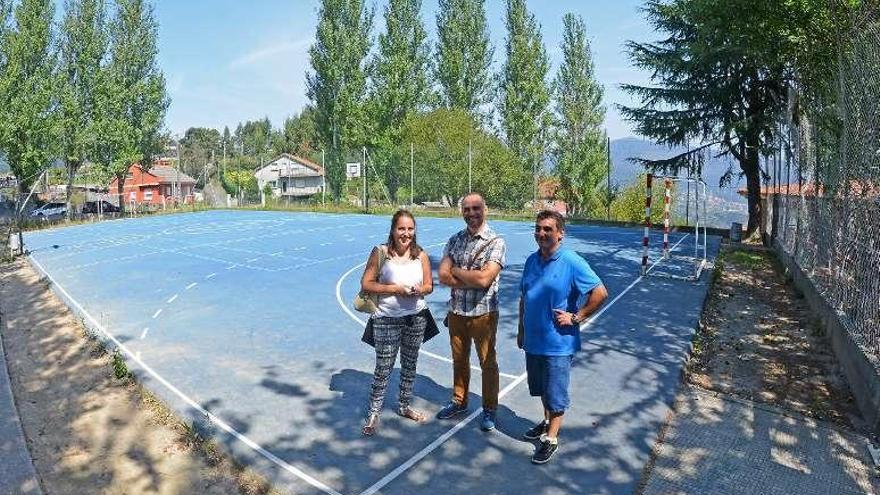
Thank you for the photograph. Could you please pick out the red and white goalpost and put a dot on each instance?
(696, 203)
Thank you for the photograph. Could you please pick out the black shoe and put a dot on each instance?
(545, 451)
(536, 431)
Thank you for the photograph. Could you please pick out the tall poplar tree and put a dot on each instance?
(131, 95)
(464, 56)
(399, 75)
(525, 95)
(580, 144)
(27, 86)
(338, 82)
(82, 49)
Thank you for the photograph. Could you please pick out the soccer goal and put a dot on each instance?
(685, 198)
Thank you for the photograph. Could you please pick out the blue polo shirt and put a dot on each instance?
(562, 282)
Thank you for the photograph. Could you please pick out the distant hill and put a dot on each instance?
(724, 204)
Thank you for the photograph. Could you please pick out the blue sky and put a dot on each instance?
(227, 61)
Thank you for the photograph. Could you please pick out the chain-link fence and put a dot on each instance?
(824, 190)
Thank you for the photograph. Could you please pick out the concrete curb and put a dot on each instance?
(17, 474)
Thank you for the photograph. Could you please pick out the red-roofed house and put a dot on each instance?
(159, 185)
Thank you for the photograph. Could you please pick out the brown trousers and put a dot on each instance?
(481, 330)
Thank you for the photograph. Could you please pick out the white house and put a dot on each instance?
(291, 176)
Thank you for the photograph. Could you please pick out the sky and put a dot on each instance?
(229, 61)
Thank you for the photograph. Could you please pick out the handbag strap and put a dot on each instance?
(381, 261)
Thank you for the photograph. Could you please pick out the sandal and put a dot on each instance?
(370, 425)
(413, 414)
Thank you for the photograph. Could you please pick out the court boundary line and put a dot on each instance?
(362, 323)
(302, 475)
(402, 468)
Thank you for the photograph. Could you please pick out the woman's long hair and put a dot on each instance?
(414, 249)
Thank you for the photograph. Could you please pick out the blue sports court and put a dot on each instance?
(242, 322)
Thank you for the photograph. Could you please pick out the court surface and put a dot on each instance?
(242, 322)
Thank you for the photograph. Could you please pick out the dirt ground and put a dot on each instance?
(758, 341)
(88, 431)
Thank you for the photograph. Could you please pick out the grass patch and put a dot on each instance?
(120, 369)
(749, 259)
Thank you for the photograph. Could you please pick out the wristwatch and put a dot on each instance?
(575, 320)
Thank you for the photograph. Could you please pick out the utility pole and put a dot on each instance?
(412, 181)
(608, 179)
(364, 171)
(470, 160)
(323, 178)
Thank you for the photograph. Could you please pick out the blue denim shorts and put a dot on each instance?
(548, 379)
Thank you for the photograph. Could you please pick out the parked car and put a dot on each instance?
(96, 206)
(50, 210)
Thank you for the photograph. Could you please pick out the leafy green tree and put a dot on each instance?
(721, 74)
(27, 85)
(525, 95)
(131, 93)
(440, 141)
(580, 145)
(464, 56)
(337, 83)
(298, 135)
(199, 147)
(256, 139)
(83, 46)
(399, 83)
(629, 203)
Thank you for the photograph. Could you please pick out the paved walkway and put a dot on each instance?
(722, 445)
(17, 474)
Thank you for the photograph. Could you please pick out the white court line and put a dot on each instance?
(252, 260)
(157, 313)
(210, 276)
(144, 333)
(171, 299)
(388, 478)
(190, 286)
(230, 267)
(207, 414)
(362, 322)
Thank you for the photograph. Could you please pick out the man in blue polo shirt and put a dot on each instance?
(558, 292)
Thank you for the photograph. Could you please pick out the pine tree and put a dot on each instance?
(82, 49)
(399, 82)
(27, 87)
(131, 96)
(464, 56)
(337, 85)
(525, 95)
(580, 148)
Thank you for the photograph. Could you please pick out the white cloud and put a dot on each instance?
(271, 53)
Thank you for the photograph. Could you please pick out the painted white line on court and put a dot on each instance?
(157, 313)
(388, 478)
(190, 286)
(252, 260)
(210, 276)
(171, 299)
(207, 414)
(326, 243)
(144, 333)
(230, 267)
(276, 253)
(363, 323)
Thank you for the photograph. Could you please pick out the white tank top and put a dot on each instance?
(402, 271)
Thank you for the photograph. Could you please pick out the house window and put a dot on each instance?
(167, 190)
(299, 183)
(284, 185)
(148, 195)
(132, 196)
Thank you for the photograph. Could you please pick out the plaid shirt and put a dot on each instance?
(460, 248)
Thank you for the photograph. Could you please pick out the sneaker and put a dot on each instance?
(451, 410)
(545, 451)
(536, 431)
(488, 421)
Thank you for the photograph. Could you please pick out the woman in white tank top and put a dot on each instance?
(401, 317)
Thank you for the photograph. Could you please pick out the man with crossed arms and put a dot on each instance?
(472, 262)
